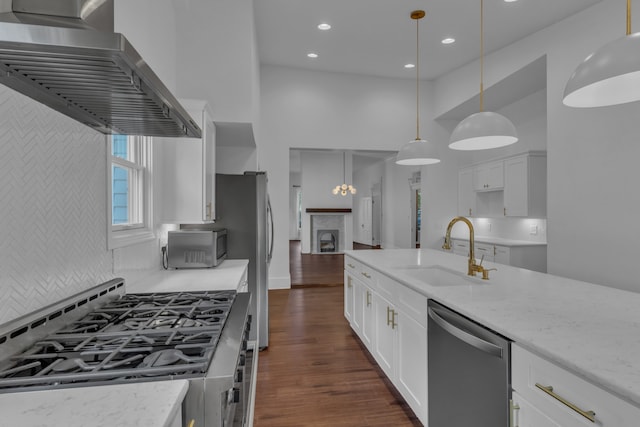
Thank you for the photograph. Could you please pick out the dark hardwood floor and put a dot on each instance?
(315, 371)
(314, 269)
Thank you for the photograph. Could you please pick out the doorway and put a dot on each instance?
(416, 208)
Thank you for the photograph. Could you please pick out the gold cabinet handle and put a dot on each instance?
(349, 284)
(366, 275)
(388, 313)
(590, 415)
(192, 423)
(393, 319)
(351, 265)
(504, 211)
(209, 210)
(513, 419)
(368, 299)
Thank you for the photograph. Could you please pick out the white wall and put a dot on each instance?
(591, 153)
(320, 172)
(154, 39)
(306, 109)
(216, 57)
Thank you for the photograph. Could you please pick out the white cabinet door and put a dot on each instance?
(516, 189)
(358, 306)
(384, 329)
(524, 414)
(489, 176)
(348, 296)
(466, 195)
(411, 363)
(188, 171)
(367, 318)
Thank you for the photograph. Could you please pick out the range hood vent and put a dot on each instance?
(64, 54)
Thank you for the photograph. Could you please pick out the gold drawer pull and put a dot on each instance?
(368, 298)
(351, 265)
(366, 275)
(590, 415)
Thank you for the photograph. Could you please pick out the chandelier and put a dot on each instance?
(343, 189)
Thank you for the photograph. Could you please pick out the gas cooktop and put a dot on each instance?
(135, 337)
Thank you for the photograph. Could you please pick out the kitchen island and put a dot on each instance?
(584, 328)
(146, 404)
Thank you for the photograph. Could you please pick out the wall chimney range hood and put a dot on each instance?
(64, 54)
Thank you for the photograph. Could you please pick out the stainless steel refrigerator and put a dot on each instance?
(244, 209)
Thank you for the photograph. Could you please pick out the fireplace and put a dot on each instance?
(328, 240)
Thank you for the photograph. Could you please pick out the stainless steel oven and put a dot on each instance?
(104, 336)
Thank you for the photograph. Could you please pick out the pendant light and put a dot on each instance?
(418, 151)
(609, 76)
(343, 189)
(486, 129)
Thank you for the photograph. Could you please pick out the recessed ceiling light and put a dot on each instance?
(409, 66)
(312, 55)
(324, 27)
(448, 40)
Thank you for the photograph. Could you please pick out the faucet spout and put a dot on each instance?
(473, 267)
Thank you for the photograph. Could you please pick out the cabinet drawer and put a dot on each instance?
(364, 273)
(572, 396)
(484, 250)
(460, 247)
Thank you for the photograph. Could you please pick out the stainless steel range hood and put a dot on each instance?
(64, 53)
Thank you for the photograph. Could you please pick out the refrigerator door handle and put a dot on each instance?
(270, 216)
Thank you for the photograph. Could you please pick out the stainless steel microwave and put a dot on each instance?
(196, 248)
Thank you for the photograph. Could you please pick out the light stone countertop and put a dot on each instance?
(500, 241)
(226, 276)
(146, 404)
(588, 329)
(151, 403)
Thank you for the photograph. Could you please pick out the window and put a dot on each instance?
(129, 165)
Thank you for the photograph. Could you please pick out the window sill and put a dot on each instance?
(122, 238)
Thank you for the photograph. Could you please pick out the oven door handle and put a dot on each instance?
(472, 340)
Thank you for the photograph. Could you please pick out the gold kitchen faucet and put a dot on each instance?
(473, 267)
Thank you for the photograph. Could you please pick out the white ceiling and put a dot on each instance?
(377, 37)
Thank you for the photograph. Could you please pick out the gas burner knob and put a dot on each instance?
(244, 344)
(239, 375)
(242, 360)
(236, 395)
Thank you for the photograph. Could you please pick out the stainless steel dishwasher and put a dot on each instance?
(469, 372)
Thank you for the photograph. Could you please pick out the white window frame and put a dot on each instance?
(140, 195)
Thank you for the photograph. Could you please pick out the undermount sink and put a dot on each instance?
(437, 275)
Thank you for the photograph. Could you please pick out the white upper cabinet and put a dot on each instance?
(188, 171)
(515, 186)
(525, 186)
(489, 176)
(466, 195)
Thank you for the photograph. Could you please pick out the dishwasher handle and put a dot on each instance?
(470, 339)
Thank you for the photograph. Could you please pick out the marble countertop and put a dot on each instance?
(589, 329)
(226, 276)
(502, 242)
(147, 404)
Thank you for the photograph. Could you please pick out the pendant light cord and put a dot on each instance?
(482, 55)
(628, 17)
(417, 81)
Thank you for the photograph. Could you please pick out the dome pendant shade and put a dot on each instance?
(609, 76)
(417, 152)
(483, 131)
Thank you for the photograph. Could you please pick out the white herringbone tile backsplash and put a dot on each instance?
(52, 206)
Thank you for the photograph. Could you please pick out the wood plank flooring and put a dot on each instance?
(315, 371)
(314, 269)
